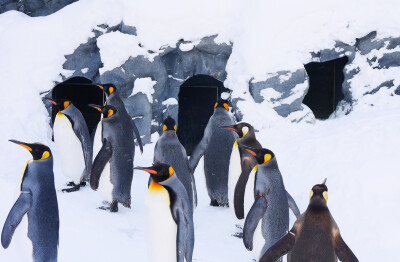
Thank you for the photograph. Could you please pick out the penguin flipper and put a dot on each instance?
(342, 251)
(199, 151)
(194, 191)
(183, 250)
(137, 135)
(20, 208)
(292, 205)
(82, 132)
(279, 249)
(240, 188)
(252, 219)
(99, 163)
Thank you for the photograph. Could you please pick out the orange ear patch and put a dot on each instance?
(171, 171)
(111, 90)
(164, 127)
(66, 104)
(175, 127)
(110, 112)
(216, 104)
(226, 106)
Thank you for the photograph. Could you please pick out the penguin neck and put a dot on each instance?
(249, 140)
(269, 167)
(169, 134)
(317, 205)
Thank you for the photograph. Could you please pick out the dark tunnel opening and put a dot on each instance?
(325, 86)
(197, 97)
(81, 92)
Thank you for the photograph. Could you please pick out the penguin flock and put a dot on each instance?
(240, 174)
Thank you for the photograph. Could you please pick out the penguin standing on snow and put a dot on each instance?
(73, 143)
(38, 199)
(170, 151)
(113, 99)
(240, 165)
(315, 235)
(216, 146)
(112, 170)
(169, 216)
(268, 218)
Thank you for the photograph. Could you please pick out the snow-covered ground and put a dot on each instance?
(358, 154)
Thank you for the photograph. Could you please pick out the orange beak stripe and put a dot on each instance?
(251, 152)
(150, 171)
(51, 101)
(27, 147)
(100, 86)
(230, 128)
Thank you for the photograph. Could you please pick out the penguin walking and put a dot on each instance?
(315, 236)
(73, 143)
(268, 218)
(38, 200)
(170, 151)
(112, 170)
(216, 146)
(240, 165)
(169, 216)
(113, 99)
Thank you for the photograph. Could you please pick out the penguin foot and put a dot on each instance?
(239, 227)
(83, 183)
(238, 235)
(72, 189)
(214, 203)
(114, 206)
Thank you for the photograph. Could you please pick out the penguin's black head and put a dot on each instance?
(169, 124)
(242, 129)
(159, 172)
(262, 155)
(107, 111)
(61, 104)
(108, 88)
(319, 194)
(222, 103)
(38, 151)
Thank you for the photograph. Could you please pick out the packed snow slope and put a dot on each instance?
(358, 154)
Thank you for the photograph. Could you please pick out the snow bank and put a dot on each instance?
(145, 86)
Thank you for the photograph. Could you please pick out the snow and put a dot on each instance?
(170, 101)
(358, 152)
(145, 86)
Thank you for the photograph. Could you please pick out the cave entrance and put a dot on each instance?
(81, 92)
(325, 86)
(197, 97)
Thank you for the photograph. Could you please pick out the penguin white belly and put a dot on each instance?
(97, 141)
(161, 227)
(69, 149)
(23, 243)
(235, 169)
(249, 191)
(258, 241)
(105, 186)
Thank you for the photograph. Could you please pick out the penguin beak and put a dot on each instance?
(51, 101)
(147, 169)
(24, 145)
(251, 152)
(101, 87)
(231, 128)
(324, 181)
(248, 149)
(97, 107)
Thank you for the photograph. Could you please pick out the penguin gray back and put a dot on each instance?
(118, 142)
(170, 151)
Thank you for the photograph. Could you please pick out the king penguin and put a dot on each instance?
(38, 200)
(315, 236)
(73, 143)
(114, 99)
(240, 165)
(267, 203)
(169, 150)
(112, 170)
(170, 231)
(216, 146)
